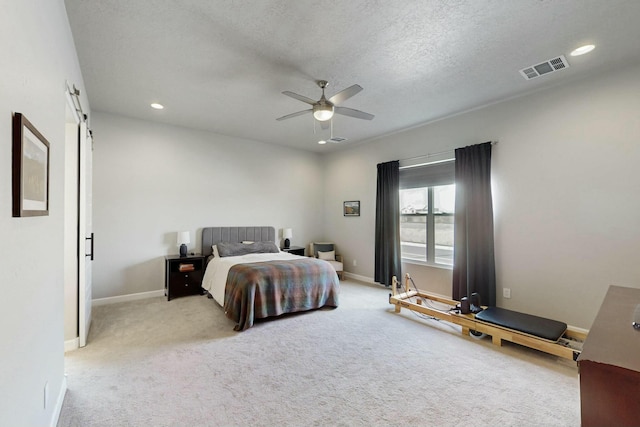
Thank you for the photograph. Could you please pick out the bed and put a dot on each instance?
(252, 279)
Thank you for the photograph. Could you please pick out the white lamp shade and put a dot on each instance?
(287, 233)
(183, 238)
(323, 113)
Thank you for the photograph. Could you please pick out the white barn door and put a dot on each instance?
(85, 232)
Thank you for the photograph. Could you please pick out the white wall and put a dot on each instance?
(152, 180)
(566, 192)
(38, 55)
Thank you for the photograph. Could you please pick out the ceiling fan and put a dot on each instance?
(324, 108)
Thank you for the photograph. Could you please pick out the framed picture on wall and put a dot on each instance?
(351, 208)
(30, 169)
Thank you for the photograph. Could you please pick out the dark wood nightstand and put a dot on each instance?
(296, 250)
(183, 275)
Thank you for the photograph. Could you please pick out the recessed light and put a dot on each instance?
(322, 141)
(157, 106)
(582, 50)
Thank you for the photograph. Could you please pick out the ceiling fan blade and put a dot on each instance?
(345, 94)
(353, 113)
(299, 97)
(299, 113)
(324, 125)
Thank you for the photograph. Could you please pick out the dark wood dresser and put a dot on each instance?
(610, 363)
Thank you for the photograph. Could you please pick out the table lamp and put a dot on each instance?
(183, 240)
(287, 234)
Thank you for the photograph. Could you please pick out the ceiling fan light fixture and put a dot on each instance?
(322, 113)
(324, 109)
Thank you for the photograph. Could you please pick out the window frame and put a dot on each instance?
(431, 179)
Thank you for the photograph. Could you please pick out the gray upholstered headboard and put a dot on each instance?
(213, 235)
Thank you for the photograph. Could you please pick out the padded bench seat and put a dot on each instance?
(547, 329)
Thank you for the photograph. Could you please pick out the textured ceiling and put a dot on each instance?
(222, 65)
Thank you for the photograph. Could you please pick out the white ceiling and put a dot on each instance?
(221, 65)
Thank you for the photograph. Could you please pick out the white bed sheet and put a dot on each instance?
(215, 276)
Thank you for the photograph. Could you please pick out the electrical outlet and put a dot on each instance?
(506, 292)
(355, 263)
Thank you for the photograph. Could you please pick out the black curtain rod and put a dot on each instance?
(440, 153)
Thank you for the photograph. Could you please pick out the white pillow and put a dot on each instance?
(327, 256)
(247, 242)
(215, 251)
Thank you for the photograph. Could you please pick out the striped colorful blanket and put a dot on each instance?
(265, 289)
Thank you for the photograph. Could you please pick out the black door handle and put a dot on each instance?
(90, 238)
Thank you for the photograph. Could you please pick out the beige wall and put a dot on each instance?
(435, 280)
(153, 180)
(38, 55)
(563, 164)
(565, 186)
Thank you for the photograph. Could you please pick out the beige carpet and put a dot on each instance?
(179, 363)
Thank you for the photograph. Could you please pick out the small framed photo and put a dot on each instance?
(30, 169)
(352, 208)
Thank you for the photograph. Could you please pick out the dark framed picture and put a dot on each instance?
(352, 208)
(30, 169)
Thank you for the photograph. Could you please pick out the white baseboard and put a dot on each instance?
(58, 408)
(360, 278)
(124, 298)
(581, 330)
(73, 344)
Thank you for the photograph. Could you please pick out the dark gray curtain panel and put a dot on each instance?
(473, 253)
(388, 258)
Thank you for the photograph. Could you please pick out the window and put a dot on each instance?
(427, 200)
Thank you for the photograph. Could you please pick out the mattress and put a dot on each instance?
(215, 276)
(269, 289)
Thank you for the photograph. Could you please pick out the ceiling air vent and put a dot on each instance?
(546, 67)
(337, 139)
